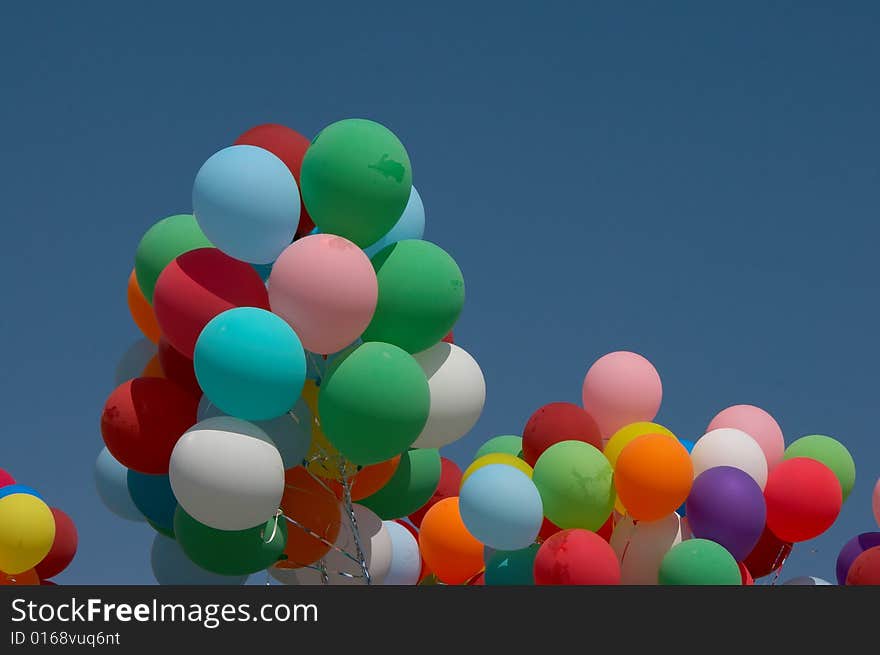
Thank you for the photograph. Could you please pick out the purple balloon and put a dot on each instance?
(726, 506)
(853, 548)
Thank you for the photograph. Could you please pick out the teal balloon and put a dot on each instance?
(512, 567)
(410, 225)
(171, 566)
(111, 482)
(153, 497)
(250, 364)
(263, 270)
(506, 443)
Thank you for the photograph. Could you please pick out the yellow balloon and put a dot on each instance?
(324, 459)
(497, 458)
(27, 531)
(622, 438)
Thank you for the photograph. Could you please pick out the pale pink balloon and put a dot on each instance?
(875, 502)
(756, 423)
(325, 287)
(621, 388)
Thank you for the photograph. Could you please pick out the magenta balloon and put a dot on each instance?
(756, 423)
(621, 388)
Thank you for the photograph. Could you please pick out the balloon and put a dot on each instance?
(356, 180)
(621, 388)
(411, 486)
(575, 483)
(496, 458)
(699, 562)
(421, 294)
(250, 364)
(27, 578)
(406, 562)
(153, 369)
(510, 444)
(449, 338)
(730, 447)
(143, 419)
(368, 480)
(11, 489)
(230, 552)
(746, 577)
(756, 423)
(576, 557)
(63, 548)
(726, 506)
(557, 422)
(688, 446)
(458, 393)
(325, 287)
(171, 566)
(641, 545)
(374, 403)
(425, 571)
(154, 498)
(501, 507)
(315, 514)
(807, 580)
(866, 569)
(5, 478)
(27, 532)
(141, 310)
(768, 555)
(851, 550)
(511, 568)
(134, 361)
(875, 502)
(831, 453)
(803, 499)
(627, 434)
(653, 476)
(410, 225)
(161, 245)
(227, 474)
(451, 552)
(111, 481)
(178, 368)
(448, 486)
(247, 203)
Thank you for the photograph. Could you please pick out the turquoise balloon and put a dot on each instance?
(410, 225)
(111, 481)
(515, 567)
(250, 364)
(153, 497)
(171, 566)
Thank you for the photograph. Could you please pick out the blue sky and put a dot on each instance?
(698, 184)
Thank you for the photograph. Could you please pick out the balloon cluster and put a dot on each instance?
(297, 374)
(37, 542)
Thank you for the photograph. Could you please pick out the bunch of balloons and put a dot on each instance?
(37, 542)
(298, 372)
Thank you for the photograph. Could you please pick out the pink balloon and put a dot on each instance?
(5, 478)
(756, 423)
(325, 287)
(621, 388)
(875, 502)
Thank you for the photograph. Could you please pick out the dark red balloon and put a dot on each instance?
(143, 419)
(548, 529)
(450, 483)
(63, 548)
(803, 499)
(449, 338)
(290, 147)
(48, 583)
(607, 529)
(768, 554)
(747, 579)
(5, 478)
(557, 422)
(576, 557)
(199, 285)
(178, 368)
(866, 569)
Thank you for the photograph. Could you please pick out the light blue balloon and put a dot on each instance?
(171, 566)
(11, 489)
(247, 203)
(807, 580)
(250, 364)
(406, 562)
(410, 225)
(111, 480)
(501, 507)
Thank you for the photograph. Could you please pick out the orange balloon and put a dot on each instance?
(312, 506)
(368, 480)
(451, 552)
(27, 578)
(142, 311)
(653, 476)
(153, 369)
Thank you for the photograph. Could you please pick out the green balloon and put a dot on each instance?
(510, 444)
(231, 552)
(831, 453)
(512, 567)
(699, 562)
(162, 244)
(421, 293)
(356, 179)
(374, 403)
(575, 481)
(412, 485)
(158, 528)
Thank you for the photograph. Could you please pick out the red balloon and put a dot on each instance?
(558, 422)
(199, 285)
(63, 548)
(449, 338)
(803, 499)
(5, 478)
(747, 579)
(607, 529)
(576, 557)
(479, 581)
(768, 554)
(48, 583)
(865, 570)
(178, 368)
(450, 482)
(143, 419)
(290, 147)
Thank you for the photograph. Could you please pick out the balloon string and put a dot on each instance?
(629, 541)
(346, 499)
(782, 565)
(324, 541)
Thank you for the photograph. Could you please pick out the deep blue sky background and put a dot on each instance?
(698, 184)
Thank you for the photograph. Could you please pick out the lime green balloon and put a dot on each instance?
(509, 444)
(831, 453)
(699, 562)
(421, 293)
(231, 552)
(414, 482)
(575, 481)
(356, 179)
(374, 403)
(512, 567)
(162, 244)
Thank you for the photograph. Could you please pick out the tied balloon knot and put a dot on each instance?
(278, 514)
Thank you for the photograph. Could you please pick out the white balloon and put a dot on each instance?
(730, 447)
(458, 393)
(227, 474)
(807, 580)
(406, 561)
(640, 547)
